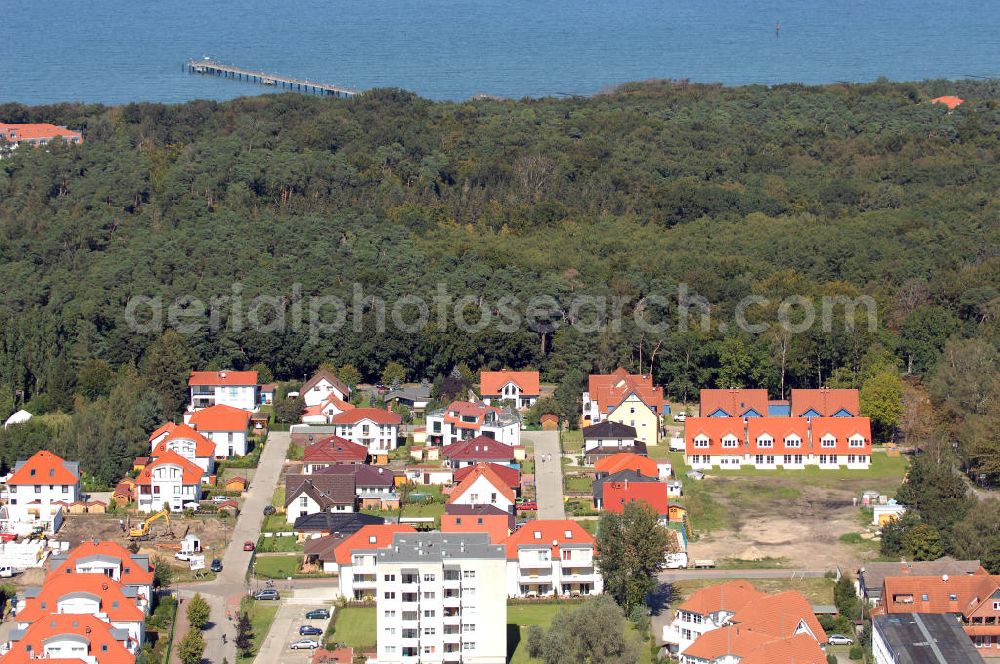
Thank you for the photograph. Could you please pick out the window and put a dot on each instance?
(701, 442)
(857, 442)
(390, 614)
(429, 613)
(304, 501)
(567, 554)
(468, 645)
(389, 577)
(996, 606)
(390, 595)
(731, 442)
(65, 488)
(390, 630)
(924, 598)
(429, 577)
(429, 631)
(828, 442)
(793, 442)
(468, 627)
(765, 442)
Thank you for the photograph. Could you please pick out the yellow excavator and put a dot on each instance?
(142, 532)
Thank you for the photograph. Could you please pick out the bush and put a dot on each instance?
(831, 659)
(856, 652)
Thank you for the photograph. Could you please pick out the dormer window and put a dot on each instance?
(793, 442)
(568, 534)
(538, 534)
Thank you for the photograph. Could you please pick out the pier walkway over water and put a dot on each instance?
(213, 68)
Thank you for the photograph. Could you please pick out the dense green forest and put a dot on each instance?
(788, 190)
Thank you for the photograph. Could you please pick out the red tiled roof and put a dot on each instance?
(779, 429)
(106, 589)
(480, 448)
(727, 640)
(192, 472)
(841, 428)
(491, 382)
(330, 377)
(376, 415)
(730, 596)
(162, 429)
(482, 470)
(510, 476)
(619, 494)
(553, 532)
(969, 592)
(497, 526)
(801, 649)
(950, 101)
(780, 615)
(132, 572)
(458, 409)
(825, 401)
(233, 378)
(203, 447)
(334, 449)
(43, 467)
(36, 131)
(101, 645)
(369, 538)
(734, 402)
(220, 417)
(627, 461)
(609, 390)
(715, 428)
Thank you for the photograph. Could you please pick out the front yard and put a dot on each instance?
(261, 616)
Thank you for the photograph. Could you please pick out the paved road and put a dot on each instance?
(548, 474)
(223, 593)
(670, 576)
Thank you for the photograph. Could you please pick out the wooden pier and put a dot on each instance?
(213, 68)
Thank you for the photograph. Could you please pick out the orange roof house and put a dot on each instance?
(44, 467)
(728, 597)
(376, 415)
(459, 493)
(733, 403)
(557, 533)
(825, 402)
(220, 417)
(87, 631)
(610, 390)
(619, 494)
(510, 476)
(491, 383)
(549, 421)
(974, 599)
(135, 569)
(842, 435)
(950, 101)
(236, 483)
(228, 378)
(63, 587)
(714, 435)
(37, 134)
(614, 463)
(192, 473)
(203, 447)
(778, 435)
(783, 614)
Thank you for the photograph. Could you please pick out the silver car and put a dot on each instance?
(305, 644)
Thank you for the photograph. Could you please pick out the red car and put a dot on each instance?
(248, 546)
(527, 505)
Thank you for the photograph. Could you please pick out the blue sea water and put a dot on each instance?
(115, 51)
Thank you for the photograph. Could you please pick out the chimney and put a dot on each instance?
(944, 577)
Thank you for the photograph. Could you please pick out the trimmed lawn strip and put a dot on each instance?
(355, 627)
(261, 616)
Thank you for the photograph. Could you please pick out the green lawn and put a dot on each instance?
(590, 525)
(572, 441)
(578, 483)
(278, 497)
(261, 616)
(284, 544)
(278, 567)
(521, 616)
(276, 523)
(355, 627)
(528, 466)
(817, 591)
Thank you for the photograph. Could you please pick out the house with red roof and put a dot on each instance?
(629, 399)
(332, 451)
(112, 560)
(734, 403)
(38, 491)
(321, 385)
(735, 622)
(481, 449)
(186, 442)
(510, 476)
(825, 402)
(71, 638)
(238, 389)
(482, 486)
(489, 519)
(618, 494)
(552, 557)
(615, 463)
(354, 558)
(520, 388)
(14, 135)
(225, 426)
(87, 594)
(168, 482)
(326, 410)
(374, 428)
(973, 600)
(464, 420)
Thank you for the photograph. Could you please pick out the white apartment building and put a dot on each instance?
(238, 389)
(169, 481)
(186, 442)
(441, 597)
(552, 557)
(225, 426)
(464, 420)
(374, 428)
(38, 492)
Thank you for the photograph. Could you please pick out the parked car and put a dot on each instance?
(839, 640)
(248, 546)
(527, 505)
(269, 510)
(220, 499)
(317, 614)
(216, 565)
(305, 644)
(191, 506)
(680, 417)
(309, 630)
(267, 593)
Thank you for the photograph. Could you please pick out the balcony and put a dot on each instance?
(533, 562)
(534, 578)
(451, 602)
(455, 619)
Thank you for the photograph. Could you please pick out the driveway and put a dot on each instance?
(285, 630)
(224, 592)
(548, 474)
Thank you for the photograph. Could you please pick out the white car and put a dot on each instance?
(839, 640)
(191, 506)
(305, 644)
(680, 417)
(220, 499)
